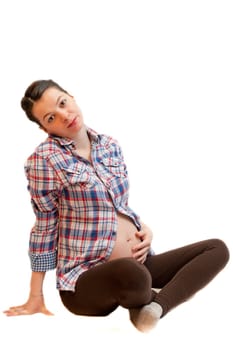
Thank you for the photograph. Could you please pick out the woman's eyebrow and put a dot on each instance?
(57, 102)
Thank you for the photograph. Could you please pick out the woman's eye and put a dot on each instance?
(63, 102)
(50, 118)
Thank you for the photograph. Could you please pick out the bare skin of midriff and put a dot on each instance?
(126, 238)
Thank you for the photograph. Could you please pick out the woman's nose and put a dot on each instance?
(64, 116)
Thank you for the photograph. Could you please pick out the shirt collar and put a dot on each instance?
(64, 141)
(93, 135)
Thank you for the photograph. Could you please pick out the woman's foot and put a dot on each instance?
(146, 317)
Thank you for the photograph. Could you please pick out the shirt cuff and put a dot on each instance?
(43, 262)
(151, 251)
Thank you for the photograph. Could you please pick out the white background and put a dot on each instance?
(158, 76)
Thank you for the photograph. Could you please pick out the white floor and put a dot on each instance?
(204, 322)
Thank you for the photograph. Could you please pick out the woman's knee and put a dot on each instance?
(223, 251)
(135, 273)
(134, 284)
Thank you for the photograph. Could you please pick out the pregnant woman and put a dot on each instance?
(84, 228)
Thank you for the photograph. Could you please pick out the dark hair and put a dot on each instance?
(33, 93)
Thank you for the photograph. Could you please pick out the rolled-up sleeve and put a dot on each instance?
(42, 186)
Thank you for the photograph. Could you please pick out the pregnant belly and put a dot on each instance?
(126, 238)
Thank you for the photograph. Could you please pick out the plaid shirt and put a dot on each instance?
(76, 205)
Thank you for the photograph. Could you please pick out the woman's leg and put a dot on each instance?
(100, 290)
(182, 272)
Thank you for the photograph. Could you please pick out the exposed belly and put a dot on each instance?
(125, 239)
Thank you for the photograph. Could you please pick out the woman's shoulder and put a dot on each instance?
(47, 152)
(45, 148)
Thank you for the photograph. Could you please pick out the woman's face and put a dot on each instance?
(58, 113)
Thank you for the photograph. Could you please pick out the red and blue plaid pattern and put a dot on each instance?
(76, 205)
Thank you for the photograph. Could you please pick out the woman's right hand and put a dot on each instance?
(35, 304)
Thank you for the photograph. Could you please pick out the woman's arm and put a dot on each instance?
(43, 238)
(35, 302)
(36, 285)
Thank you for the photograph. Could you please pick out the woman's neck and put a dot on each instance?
(82, 140)
(83, 144)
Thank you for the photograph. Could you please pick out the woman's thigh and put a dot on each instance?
(103, 288)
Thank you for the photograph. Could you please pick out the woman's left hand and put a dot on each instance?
(141, 249)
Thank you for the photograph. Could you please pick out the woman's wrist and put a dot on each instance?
(36, 295)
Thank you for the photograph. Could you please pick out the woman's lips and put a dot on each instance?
(73, 122)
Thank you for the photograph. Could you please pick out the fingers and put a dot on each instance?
(142, 259)
(23, 310)
(139, 234)
(141, 255)
(16, 311)
(138, 252)
(145, 235)
(141, 246)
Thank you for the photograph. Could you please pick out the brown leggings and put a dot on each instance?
(179, 274)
